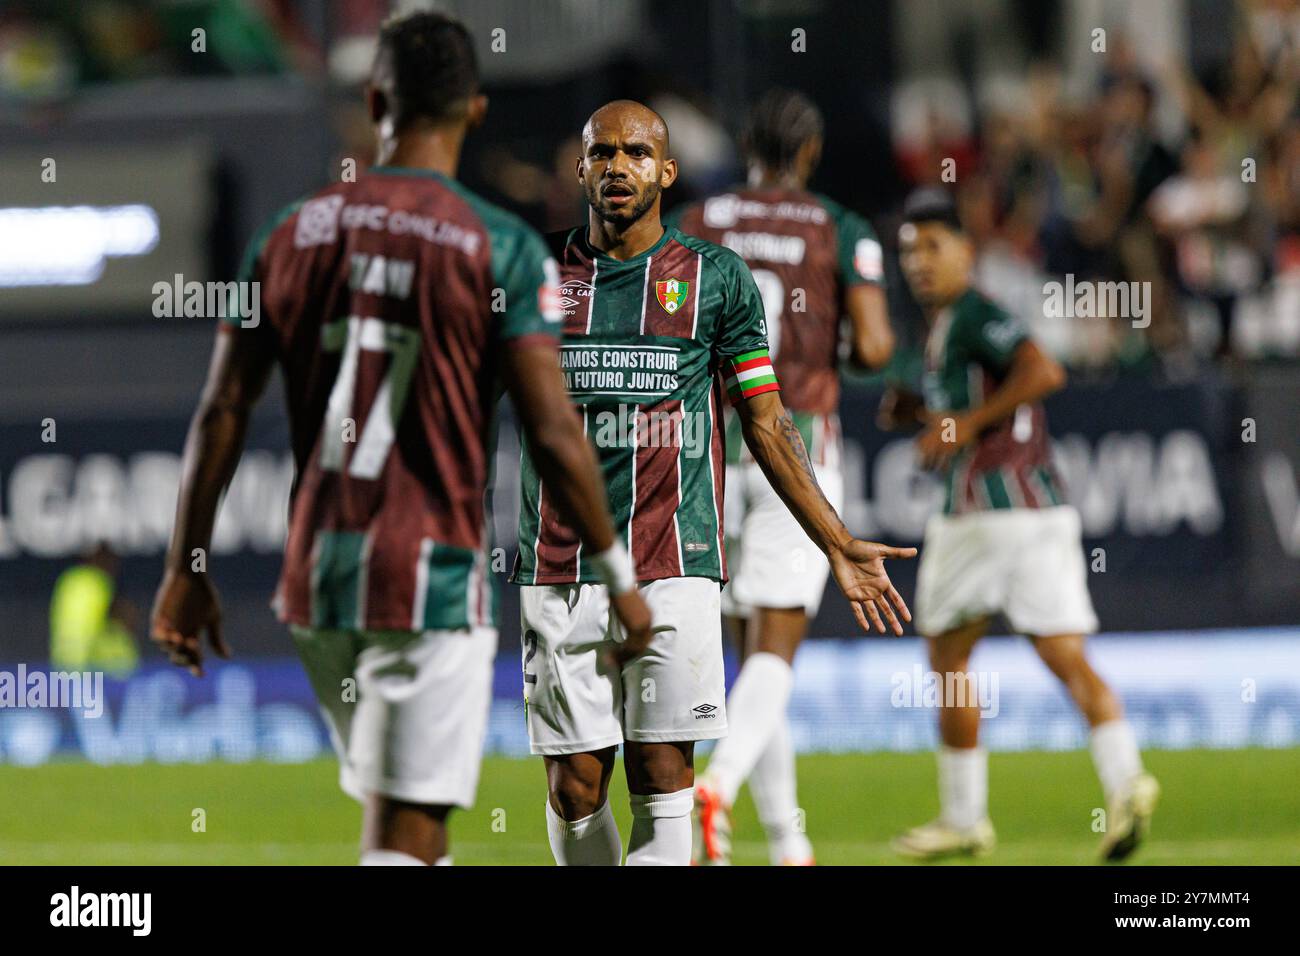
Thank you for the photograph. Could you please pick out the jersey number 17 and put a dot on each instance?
(354, 335)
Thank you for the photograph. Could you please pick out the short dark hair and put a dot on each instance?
(431, 61)
(932, 204)
(780, 122)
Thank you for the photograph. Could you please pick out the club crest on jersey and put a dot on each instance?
(671, 294)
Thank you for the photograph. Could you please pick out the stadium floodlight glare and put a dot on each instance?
(67, 245)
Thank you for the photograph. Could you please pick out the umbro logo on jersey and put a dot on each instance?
(572, 293)
(704, 712)
(671, 294)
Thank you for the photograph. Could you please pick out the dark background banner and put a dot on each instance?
(1198, 526)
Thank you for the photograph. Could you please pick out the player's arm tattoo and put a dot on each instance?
(816, 515)
(790, 433)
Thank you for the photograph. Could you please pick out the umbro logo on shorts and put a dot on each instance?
(704, 712)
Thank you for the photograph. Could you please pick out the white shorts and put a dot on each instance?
(575, 702)
(1024, 563)
(772, 562)
(412, 725)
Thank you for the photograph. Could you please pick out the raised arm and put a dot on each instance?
(186, 604)
(859, 566)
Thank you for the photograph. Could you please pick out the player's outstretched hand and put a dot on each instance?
(859, 569)
(634, 614)
(185, 607)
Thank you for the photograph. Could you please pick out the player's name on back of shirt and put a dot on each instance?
(381, 275)
(766, 247)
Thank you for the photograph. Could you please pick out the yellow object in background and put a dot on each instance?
(83, 633)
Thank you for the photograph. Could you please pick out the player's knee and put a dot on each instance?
(578, 782)
(575, 795)
(658, 768)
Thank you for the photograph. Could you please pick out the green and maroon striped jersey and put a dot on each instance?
(649, 345)
(387, 303)
(805, 251)
(967, 355)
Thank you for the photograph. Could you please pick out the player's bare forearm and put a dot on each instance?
(774, 440)
(858, 566)
(1033, 376)
(873, 336)
(236, 378)
(559, 447)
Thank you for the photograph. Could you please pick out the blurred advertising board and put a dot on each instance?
(1194, 526)
(1222, 689)
(89, 230)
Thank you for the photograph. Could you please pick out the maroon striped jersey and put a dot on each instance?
(967, 355)
(645, 339)
(805, 252)
(386, 302)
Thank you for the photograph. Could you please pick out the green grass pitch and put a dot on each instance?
(1218, 807)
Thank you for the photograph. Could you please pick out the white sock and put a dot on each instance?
(661, 829)
(591, 841)
(390, 858)
(755, 706)
(1115, 754)
(963, 786)
(444, 861)
(772, 784)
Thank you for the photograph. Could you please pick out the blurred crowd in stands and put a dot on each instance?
(1057, 181)
(49, 48)
(1160, 164)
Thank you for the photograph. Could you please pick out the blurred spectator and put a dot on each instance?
(1073, 176)
(1202, 210)
(90, 626)
(47, 49)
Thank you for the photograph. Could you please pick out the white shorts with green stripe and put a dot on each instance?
(1026, 564)
(407, 710)
(576, 703)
